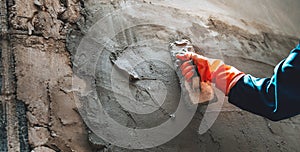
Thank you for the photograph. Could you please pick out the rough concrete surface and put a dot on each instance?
(40, 39)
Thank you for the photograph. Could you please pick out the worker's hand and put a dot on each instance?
(194, 65)
(210, 70)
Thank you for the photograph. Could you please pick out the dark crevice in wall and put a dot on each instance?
(3, 132)
(11, 110)
(23, 129)
(3, 121)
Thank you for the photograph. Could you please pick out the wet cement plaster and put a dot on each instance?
(45, 39)
(252, 46)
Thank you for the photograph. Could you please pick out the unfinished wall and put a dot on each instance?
(43, 40)
(43, 74)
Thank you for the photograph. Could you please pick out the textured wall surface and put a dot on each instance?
(38, 63)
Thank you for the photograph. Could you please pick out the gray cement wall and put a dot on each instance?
(44, 40)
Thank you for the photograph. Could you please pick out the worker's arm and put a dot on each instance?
(275, 98)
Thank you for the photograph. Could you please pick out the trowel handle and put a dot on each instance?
(196, 79)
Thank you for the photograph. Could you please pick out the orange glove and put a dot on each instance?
(210, 70)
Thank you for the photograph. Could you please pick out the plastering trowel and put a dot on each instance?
(195, 91)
